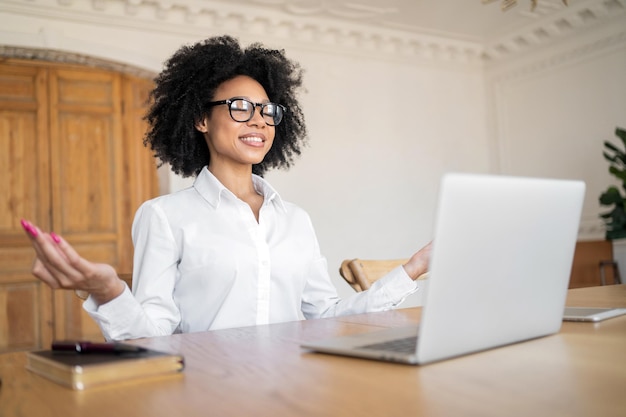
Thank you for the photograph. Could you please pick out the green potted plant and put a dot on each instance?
(615, 220)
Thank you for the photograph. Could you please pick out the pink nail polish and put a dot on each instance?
(55, 237)
(29, 228)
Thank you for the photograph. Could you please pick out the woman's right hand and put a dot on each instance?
(60, 266)
(418, 264)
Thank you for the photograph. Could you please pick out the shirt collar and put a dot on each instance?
(212, 190)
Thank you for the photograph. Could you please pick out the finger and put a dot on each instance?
(52, 265)
(60, 266)
(83, 274)
(56, 262)
(43, 245)
(49, 252)
(80, 267)
(38, 239)
(40, 271)
(29, 228)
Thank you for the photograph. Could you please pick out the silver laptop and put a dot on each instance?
(499, 272)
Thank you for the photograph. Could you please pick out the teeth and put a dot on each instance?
(252, 139)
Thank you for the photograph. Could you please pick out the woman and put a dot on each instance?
(228, 251)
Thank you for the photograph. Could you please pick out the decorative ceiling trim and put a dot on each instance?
(50, 55)
(341, 26)
(508, 4)
(570, 21)
(582, 51)
(198, 17)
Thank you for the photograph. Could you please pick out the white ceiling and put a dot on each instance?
(467, 30)
(461, 19)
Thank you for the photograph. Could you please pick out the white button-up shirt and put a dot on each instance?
(203, 262)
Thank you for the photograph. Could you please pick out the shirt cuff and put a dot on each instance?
(397, 286)
(112, 315)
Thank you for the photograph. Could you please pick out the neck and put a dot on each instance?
(237, 179)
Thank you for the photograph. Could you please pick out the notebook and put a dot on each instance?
(84, 370)
(502, 254)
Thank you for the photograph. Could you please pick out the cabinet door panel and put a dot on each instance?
(25, 320)
(16, 260)
(25, 303)
(18, 85)
(71, 321)
(86, 142)
(140, 168)
(24, 167)
(78, 89)
(86, 175)
(18, 133)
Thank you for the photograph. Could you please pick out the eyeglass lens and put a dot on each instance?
(242, 110)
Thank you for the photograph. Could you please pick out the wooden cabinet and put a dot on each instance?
(592, 259)
(72, 160)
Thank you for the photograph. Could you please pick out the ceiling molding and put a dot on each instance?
(196, 18)
(344, 27)
(567, 22)
(582, 50)
(51, 55)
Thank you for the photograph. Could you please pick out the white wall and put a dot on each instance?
(381, 136)
(384, 127)
(553, 121)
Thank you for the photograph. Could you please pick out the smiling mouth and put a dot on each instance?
(252, 139)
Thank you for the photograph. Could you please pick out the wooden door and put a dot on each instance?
(25, 303)
(140, 166)
(86, 176)
(73, 162)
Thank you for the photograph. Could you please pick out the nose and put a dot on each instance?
(257, 118)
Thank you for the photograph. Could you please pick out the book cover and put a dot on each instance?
(82, 370)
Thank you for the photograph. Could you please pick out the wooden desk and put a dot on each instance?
(261, 371)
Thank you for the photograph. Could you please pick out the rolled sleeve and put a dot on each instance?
(393, 288)
(117, 319)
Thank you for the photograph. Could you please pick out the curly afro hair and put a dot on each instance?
(189, 81)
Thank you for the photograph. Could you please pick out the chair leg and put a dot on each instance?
(617, 279)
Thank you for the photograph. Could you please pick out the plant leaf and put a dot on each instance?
(610, 158)
(611, 196)
(615, 234)
(611, 147)
(621, 133)
(615, 220)
(617, 172)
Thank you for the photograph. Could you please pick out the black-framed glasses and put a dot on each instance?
(242, 110)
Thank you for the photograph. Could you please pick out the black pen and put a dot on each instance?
(89, 347)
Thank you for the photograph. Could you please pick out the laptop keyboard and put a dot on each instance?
(405, 345)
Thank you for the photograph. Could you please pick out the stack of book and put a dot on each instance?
(80, 365)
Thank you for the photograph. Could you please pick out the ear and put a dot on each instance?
(202, 125)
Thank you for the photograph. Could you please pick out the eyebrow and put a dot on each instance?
(264, 101)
